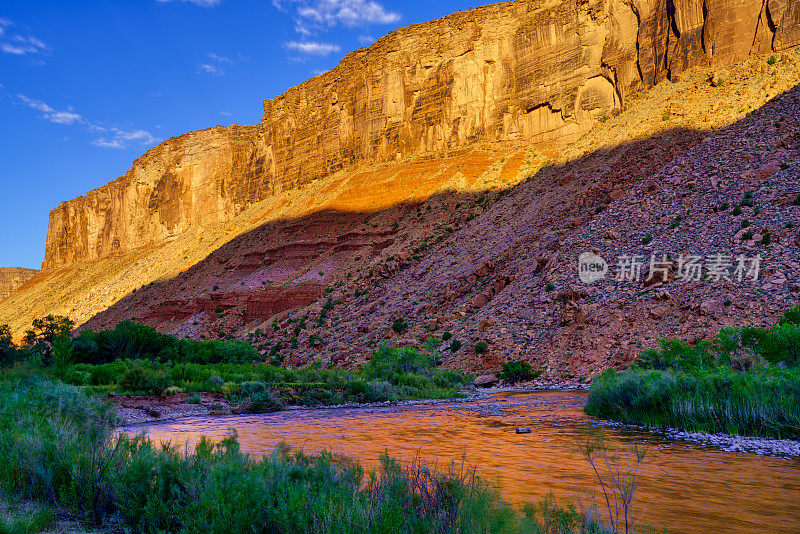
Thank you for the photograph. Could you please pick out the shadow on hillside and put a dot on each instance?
(290, 263)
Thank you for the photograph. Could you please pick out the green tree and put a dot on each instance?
(45, 331)
(48, 329)
(7, 348)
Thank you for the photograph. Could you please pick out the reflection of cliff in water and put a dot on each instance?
(688, 488)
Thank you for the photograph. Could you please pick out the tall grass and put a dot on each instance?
(747, 381)
(764, 403)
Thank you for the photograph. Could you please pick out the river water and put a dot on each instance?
(687, 487)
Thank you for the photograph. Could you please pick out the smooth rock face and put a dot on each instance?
(11, 278)
(511, 71)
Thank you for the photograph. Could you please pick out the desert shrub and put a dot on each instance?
(252, 389)
(455, 345)
(782, 344)
(214, 383)
(264, 402)
(139, 378)
(791, 316)
(53, 447)
(515, 371)
(131, 340)
(481, 346)
(399, 325)
(676, 354)
(389, 362)
(379, 391)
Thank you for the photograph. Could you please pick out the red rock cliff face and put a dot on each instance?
(521, 70)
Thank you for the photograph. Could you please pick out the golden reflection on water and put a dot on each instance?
(688, 488)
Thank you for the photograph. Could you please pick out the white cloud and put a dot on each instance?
(122, 138)
(207, 68)
(18, 44)
(64, 117)
(215, 63)
(223, 60)
(48, 113)
(115, 137)
(313, 48)
(201, 3)
(366, 39)
(35, 104)
(350, 13)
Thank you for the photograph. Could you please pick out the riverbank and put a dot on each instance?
(786, 449)
(142, 409)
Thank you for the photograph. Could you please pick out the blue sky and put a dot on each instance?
(88, 86)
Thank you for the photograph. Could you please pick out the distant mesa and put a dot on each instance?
(12, 278)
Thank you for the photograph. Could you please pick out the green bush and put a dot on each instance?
(791, 316)
(399, 325)
(141, 379)
(389, 362)
(131, 340)
(516, 371)
(480, 347)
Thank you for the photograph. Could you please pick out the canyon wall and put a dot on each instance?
(11, 278)
(526, 70)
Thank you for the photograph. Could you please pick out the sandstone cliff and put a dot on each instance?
(525, 71)
(11, 278)
(497, 264)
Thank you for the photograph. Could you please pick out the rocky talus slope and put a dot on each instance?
(500, 266)
(11, 278)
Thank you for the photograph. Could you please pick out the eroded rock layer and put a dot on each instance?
(514, 71)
